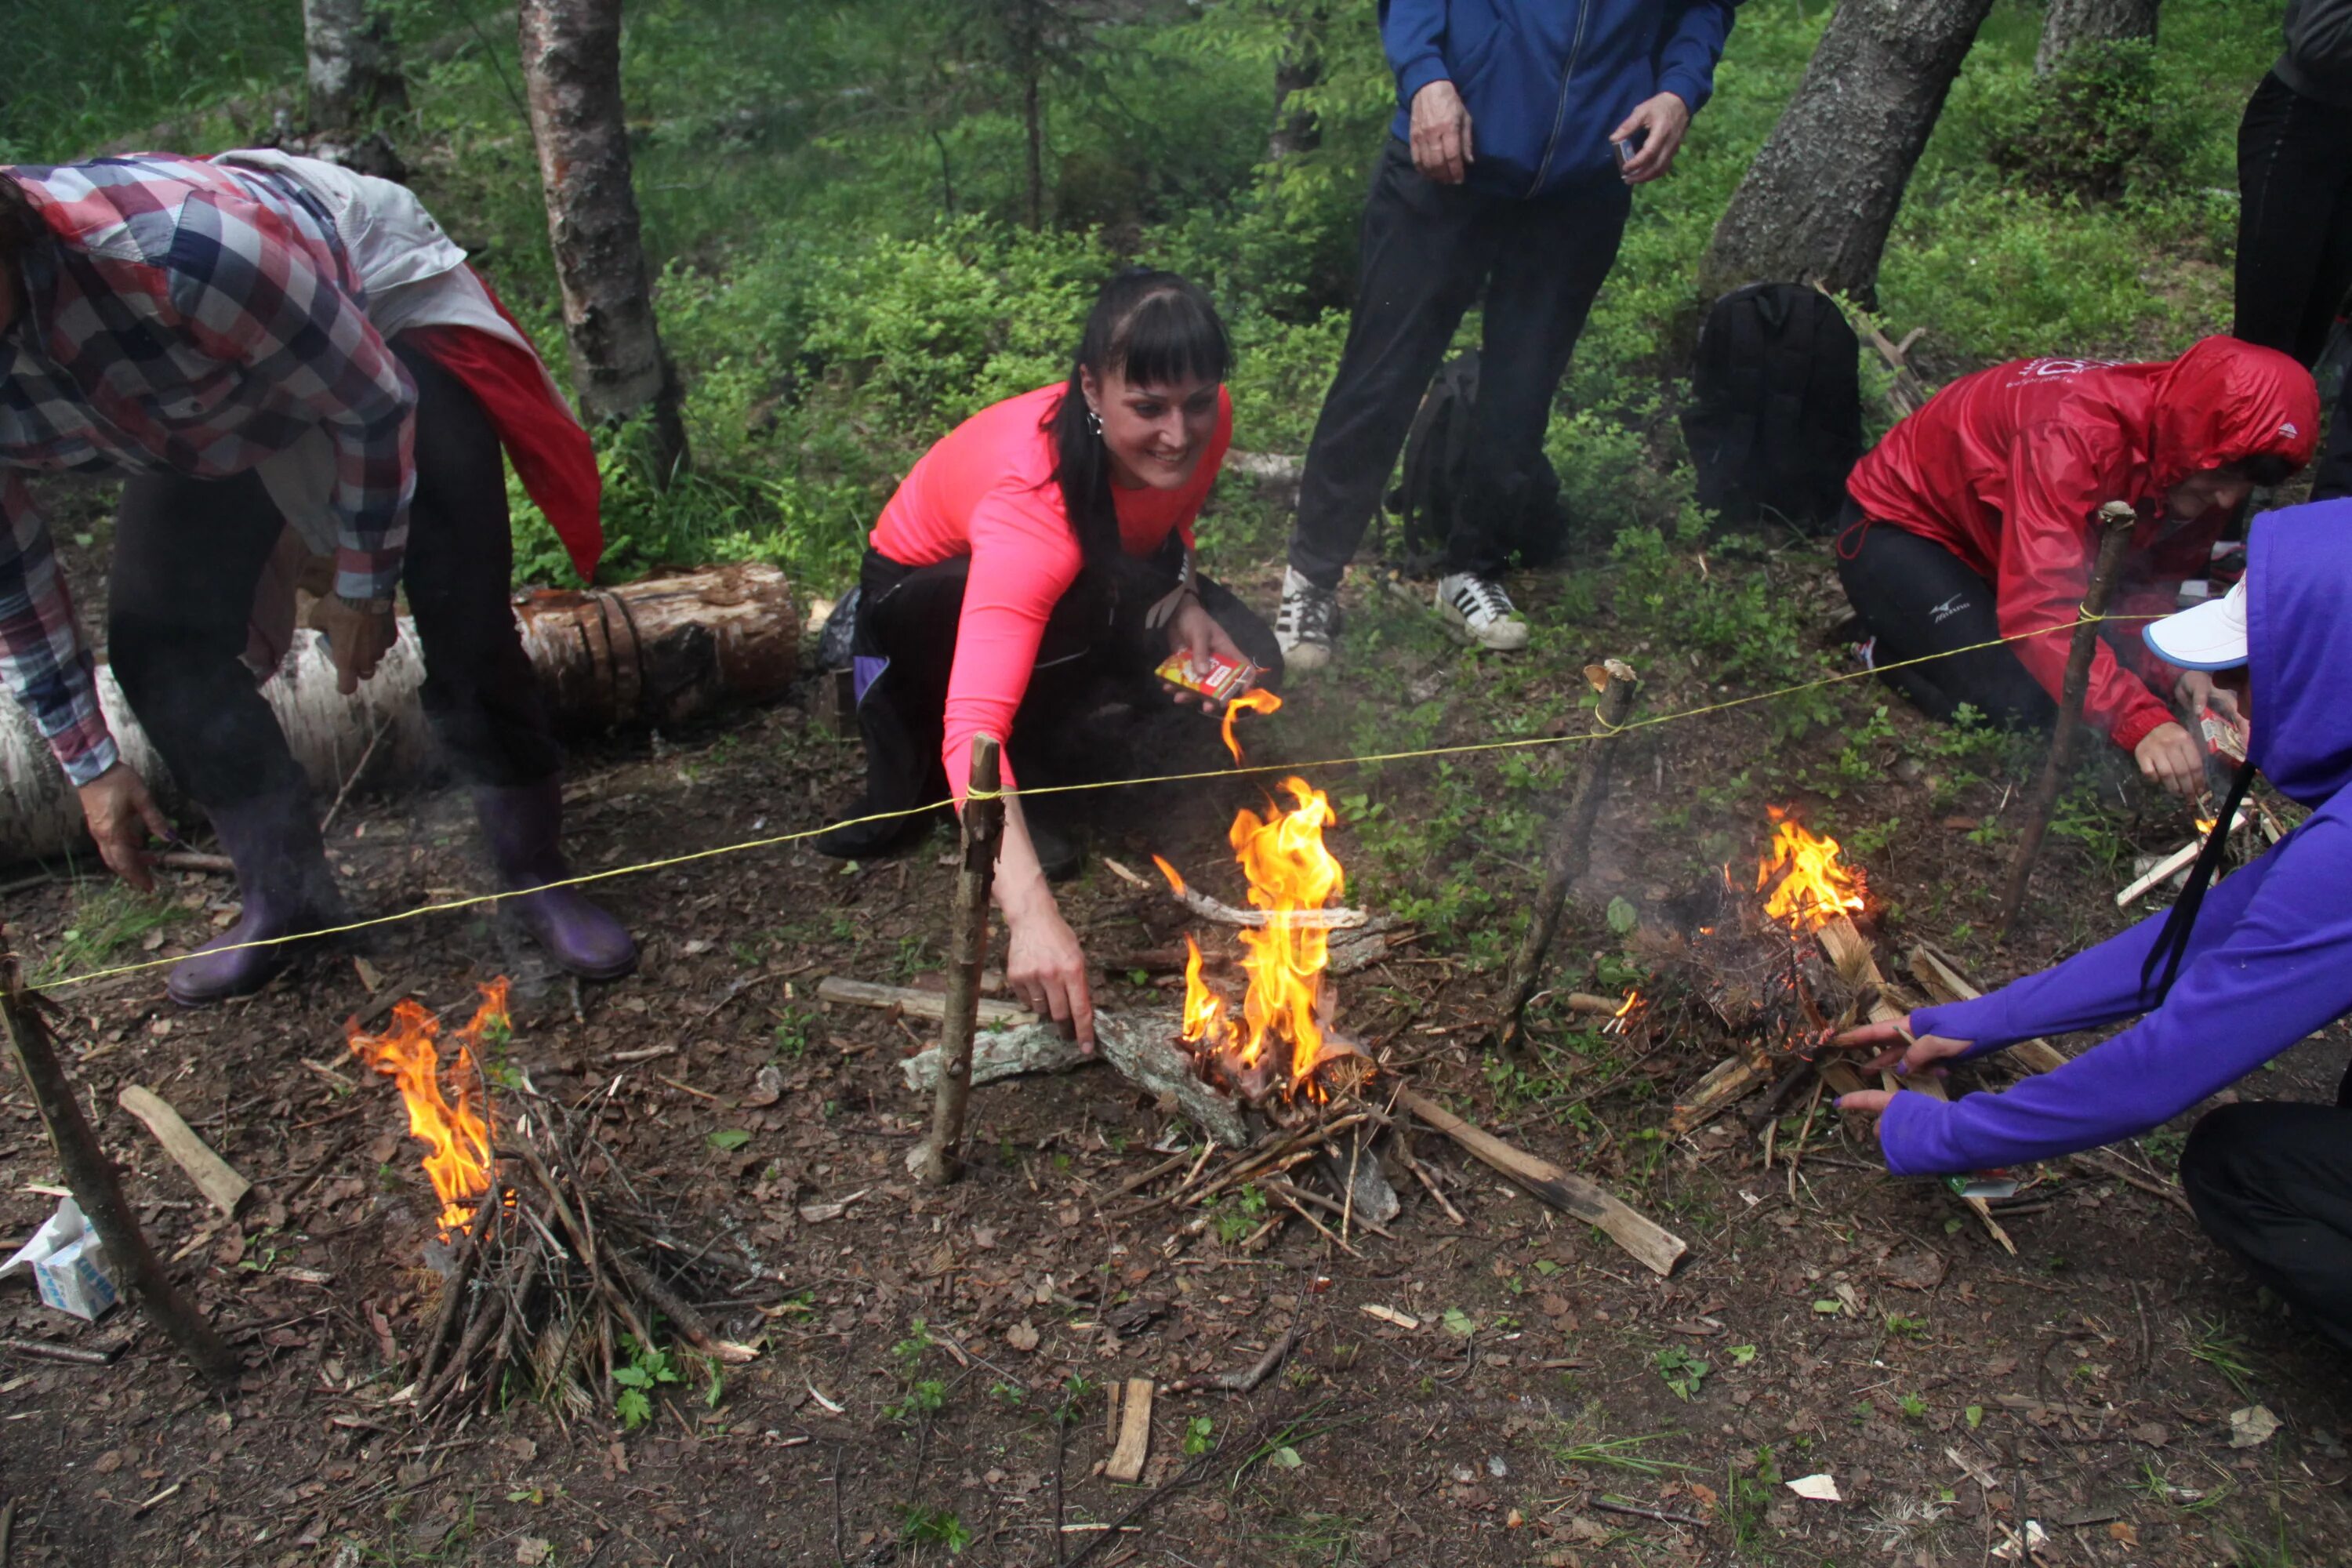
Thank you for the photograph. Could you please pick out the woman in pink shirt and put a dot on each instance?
(1045, 544)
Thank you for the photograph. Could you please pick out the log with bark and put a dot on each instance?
(1817, 203)
(1359, 939)
(1140, 1047)
(663, 652)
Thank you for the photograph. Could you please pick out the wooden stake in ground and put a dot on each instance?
(983, 820)
(2115, 521)
(91, 1177)
(1572, 846)
(1657, 1249)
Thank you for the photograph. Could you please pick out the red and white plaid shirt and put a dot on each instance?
(190, 318)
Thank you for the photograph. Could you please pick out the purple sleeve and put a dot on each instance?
(2281, 969)
(2097, 986)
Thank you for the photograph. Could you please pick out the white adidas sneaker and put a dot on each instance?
(1308, 623)
(1479, 607)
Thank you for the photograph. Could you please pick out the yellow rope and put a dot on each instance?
(1417, 753)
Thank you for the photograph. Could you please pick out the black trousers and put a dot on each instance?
(2295, 243)
(1428, 250)
(2274, 1184)
(188, 555)
(903, 650)
(1918, 599)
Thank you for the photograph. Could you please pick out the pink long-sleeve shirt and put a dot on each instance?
(987, 491)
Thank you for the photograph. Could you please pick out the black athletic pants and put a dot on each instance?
(2295, 243)
(903, 650)
(2272, 1183)
(1918, 599)
(1428, 250)
(188, 555)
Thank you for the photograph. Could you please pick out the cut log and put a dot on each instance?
(1728, 1083)
(1936, 971)
(917, 1003)
(214, 1176)
(1140, 1047)
(663, 652)
(1125, 1463)
(1656, 1248)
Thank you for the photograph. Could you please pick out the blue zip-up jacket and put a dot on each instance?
(2270, 958)
(1547, 80)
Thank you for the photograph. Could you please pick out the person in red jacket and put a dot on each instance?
(1044, 543)
(1975, 520)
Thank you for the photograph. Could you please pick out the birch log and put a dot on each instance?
(665, 651)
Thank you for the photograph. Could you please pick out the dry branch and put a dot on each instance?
(1656, 1250)
(1571, 849)
(917, 1003)
(1209, 909)
(1140, 1047)
(90, 1177)
(1726, 1083)
(1934, 970)
(1134, 1445)
(937, 1159)
(2116, 520)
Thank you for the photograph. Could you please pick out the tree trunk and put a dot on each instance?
(571, 72)
(354, 66)
(2073, 22)
(1033, 114)
(1298, 69)
(1817, 202)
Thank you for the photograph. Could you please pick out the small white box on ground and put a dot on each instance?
(69, 1269)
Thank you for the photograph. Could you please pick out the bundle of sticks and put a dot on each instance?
(557, 1264)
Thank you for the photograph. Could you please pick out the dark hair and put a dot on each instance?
(2268, 469)
(1153, 328)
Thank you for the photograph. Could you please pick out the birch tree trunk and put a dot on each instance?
(353, 66)
(1817, 202)
(2073, 22)
(572, 72)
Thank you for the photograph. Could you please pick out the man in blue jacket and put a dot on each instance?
(1502, 173)
(2266, 962)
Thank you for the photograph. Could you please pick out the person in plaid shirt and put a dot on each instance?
(202, 327)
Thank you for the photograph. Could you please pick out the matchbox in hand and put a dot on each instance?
(1226, 679)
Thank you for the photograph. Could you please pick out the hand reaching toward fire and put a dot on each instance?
(1905, 1053)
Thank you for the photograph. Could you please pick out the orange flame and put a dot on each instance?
(454, 1123)
(1175, 878)
(1290, 874)
(1257, 700)
(1814, 888)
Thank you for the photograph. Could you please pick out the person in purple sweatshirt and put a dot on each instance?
(2223, 983)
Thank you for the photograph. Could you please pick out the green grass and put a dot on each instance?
(109, 920)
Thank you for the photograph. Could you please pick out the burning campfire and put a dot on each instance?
(1280, 1041)
(449, 1112)
(548, 1262)
(1814, 888)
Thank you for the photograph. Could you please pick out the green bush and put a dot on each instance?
(2099, 125)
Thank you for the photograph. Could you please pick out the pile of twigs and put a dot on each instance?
(558, 1263)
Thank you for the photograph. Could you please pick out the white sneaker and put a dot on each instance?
(1306, 625)
(1479, 607)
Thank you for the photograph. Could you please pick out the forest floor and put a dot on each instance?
(930, 1383)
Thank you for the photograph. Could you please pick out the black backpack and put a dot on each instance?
(1436, 466)
(1775, 421)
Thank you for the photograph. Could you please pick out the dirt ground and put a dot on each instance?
(930, 1386)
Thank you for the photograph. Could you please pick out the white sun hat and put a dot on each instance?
(2211, 636)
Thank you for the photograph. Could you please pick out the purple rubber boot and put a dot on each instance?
(287, 890)
(524, 826)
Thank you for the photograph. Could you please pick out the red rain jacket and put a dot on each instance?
(2007, 469)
